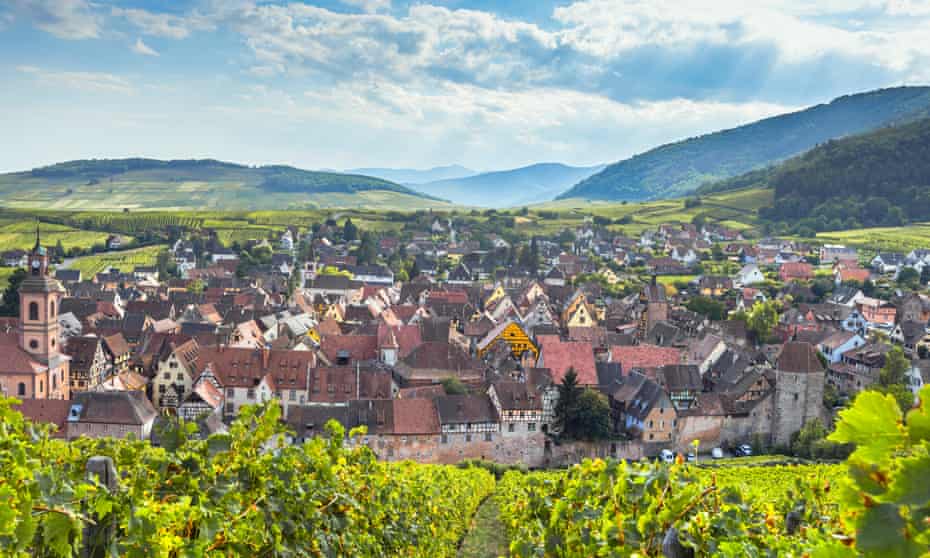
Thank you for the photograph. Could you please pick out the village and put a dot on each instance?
(448, 346)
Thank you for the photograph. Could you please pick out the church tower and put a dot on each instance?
(39, 300)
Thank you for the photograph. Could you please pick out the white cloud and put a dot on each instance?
(141, 48)
(799, 29)
(369, 6)
(86, 81)
(163, 25)
(66, 19)
(483, 127)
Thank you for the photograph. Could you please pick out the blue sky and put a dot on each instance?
(350, 83)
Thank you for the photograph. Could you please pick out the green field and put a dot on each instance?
(891, 239)
(21, 235)
(168, 195)
(737, 209)
(124, 261)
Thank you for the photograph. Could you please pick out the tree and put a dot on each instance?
(909, 278)
(805, 440)
(349, 230)
(709, 307)
(568, 396)
(762, 319)
(196, 286)
(454, 386)
(581, 414)
(10, 306)
(591, 416)
(367, 252)
(892, 379)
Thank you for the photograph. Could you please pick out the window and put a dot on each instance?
(167, 375)
(34, 311)
(445, 439)
(487, 436)
(250, 394)
(468, 437)
(41, 386)
(230, 408)
(795, 396)
(161, 388)
(651, 436)
(21, 389)
(54, 381)
(650, 424)
(531, 426)
(33, 344)
(511, 427)
(180, 377)
(293, 395)
(230, 392)
(51, 309)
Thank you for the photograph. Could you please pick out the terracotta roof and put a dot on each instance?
(117, 344)
(439, 355)
(358, 347)
(113, 407)
(644, 357)
(47, 411)
(459, 409)
(798, 357)
(338, 384)
(558, 356)
(246, 367)
(415, 416)
(861, 275)
(518, 396)
(82, 351)
(15, 359)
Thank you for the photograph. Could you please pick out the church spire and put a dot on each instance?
(38, 243)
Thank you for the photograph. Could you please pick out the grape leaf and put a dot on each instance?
(873, 424)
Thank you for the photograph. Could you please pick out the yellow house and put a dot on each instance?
(497, 294)
(609, 275)
(511, 333)
(578, 312)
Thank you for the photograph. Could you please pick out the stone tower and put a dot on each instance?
(799, 381)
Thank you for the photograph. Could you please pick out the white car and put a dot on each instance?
(666, 456)
(716, 453)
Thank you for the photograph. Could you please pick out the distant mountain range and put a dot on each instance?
(877, 178)
(416, 176)
(525, 185)
(679, 168)
(198, 184)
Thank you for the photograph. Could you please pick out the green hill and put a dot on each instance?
(197, 184)
(879, 178)
(678, 168)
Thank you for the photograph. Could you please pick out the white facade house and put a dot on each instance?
(750, 274)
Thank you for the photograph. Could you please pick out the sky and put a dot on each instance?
(487, 84)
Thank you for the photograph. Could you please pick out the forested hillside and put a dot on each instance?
(874, 179)
(678, 168)
(202, 183)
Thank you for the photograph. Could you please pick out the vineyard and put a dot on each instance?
(250, 493)
(245, 493)
(126, 260)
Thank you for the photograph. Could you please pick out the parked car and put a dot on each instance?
(692, 457)
(666, 456)
(744, 450)
(716, 453)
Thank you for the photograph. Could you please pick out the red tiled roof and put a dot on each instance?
(558, 356)
(854, 274)
(47, 411)
(15, 359)
(360, 347)
(415, 416)
(644, 356)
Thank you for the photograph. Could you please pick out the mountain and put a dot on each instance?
(678, 168)
(416, 176)
(197, 184)
(877, 178)
(525, 185)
